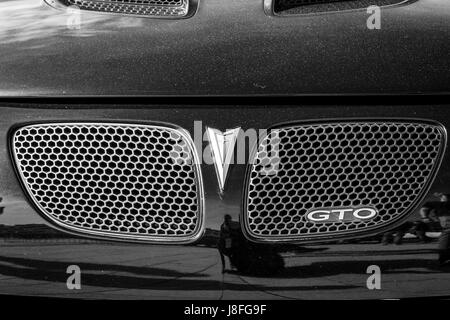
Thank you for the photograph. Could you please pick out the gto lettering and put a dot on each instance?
(341, 214)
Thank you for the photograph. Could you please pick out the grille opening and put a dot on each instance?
(155, 8)
(117, 180)
(290, 7)
(384, 165)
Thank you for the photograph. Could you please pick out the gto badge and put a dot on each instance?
(341, 214)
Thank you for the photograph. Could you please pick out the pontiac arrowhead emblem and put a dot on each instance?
(222, 148)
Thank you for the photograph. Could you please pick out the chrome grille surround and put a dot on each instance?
(151, 8)
(114, 180)
(383, 164)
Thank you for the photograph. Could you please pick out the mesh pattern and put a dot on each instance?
(385, 166)
(160, 8)
(124, 180)
(286, 7)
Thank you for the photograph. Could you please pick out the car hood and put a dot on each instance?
(227, 48)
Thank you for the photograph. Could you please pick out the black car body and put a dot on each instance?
(228, 64)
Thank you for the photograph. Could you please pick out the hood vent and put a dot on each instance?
(295, 7)
(151, 8)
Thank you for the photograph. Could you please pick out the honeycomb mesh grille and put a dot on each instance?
(386, 166)
(159, 8)
(136, 181)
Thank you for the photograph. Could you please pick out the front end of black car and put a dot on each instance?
(242, 149)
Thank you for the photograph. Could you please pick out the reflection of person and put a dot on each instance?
(246, 256)
(419, 228)
(443, 213)
(227, 238)
(397, 234)
(426, 222)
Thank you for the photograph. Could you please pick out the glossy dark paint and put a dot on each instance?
(227, 48)
(130, 271)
